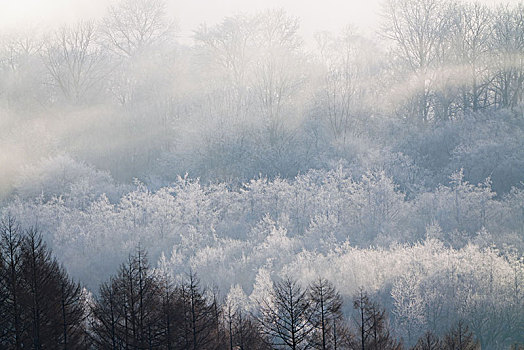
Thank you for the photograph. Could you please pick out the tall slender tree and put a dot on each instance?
(326, 304)
(372, 324)
(286, 317)
(11, 283)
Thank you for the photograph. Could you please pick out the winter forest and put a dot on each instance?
(251, 188)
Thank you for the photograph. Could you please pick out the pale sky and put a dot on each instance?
(315, 15)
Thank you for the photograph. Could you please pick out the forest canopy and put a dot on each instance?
(251, 166)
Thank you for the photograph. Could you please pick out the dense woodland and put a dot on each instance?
(254, 189)
(144, 308)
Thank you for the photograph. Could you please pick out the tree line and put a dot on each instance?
(465, 56)
(144, 308)
(257, 99)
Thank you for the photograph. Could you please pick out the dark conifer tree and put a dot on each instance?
(428, 341)
(54, 305)
(460, 338)
(247, 334)
(106, 318)
(326, 304)
(372, 325)
(128, 311)
(42, 308)
(286, 319)
(11, 326)
(170, 311)
(199, 323)
(242, 331)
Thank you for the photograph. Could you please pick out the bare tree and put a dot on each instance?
(418, 28)
(508, 45)
(472, 27)
(230, 46)
(132, 26)
(21, 69)
(74, 62)
(277, 79)
(347, 65)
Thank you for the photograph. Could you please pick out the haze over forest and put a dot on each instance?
(220, 166)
